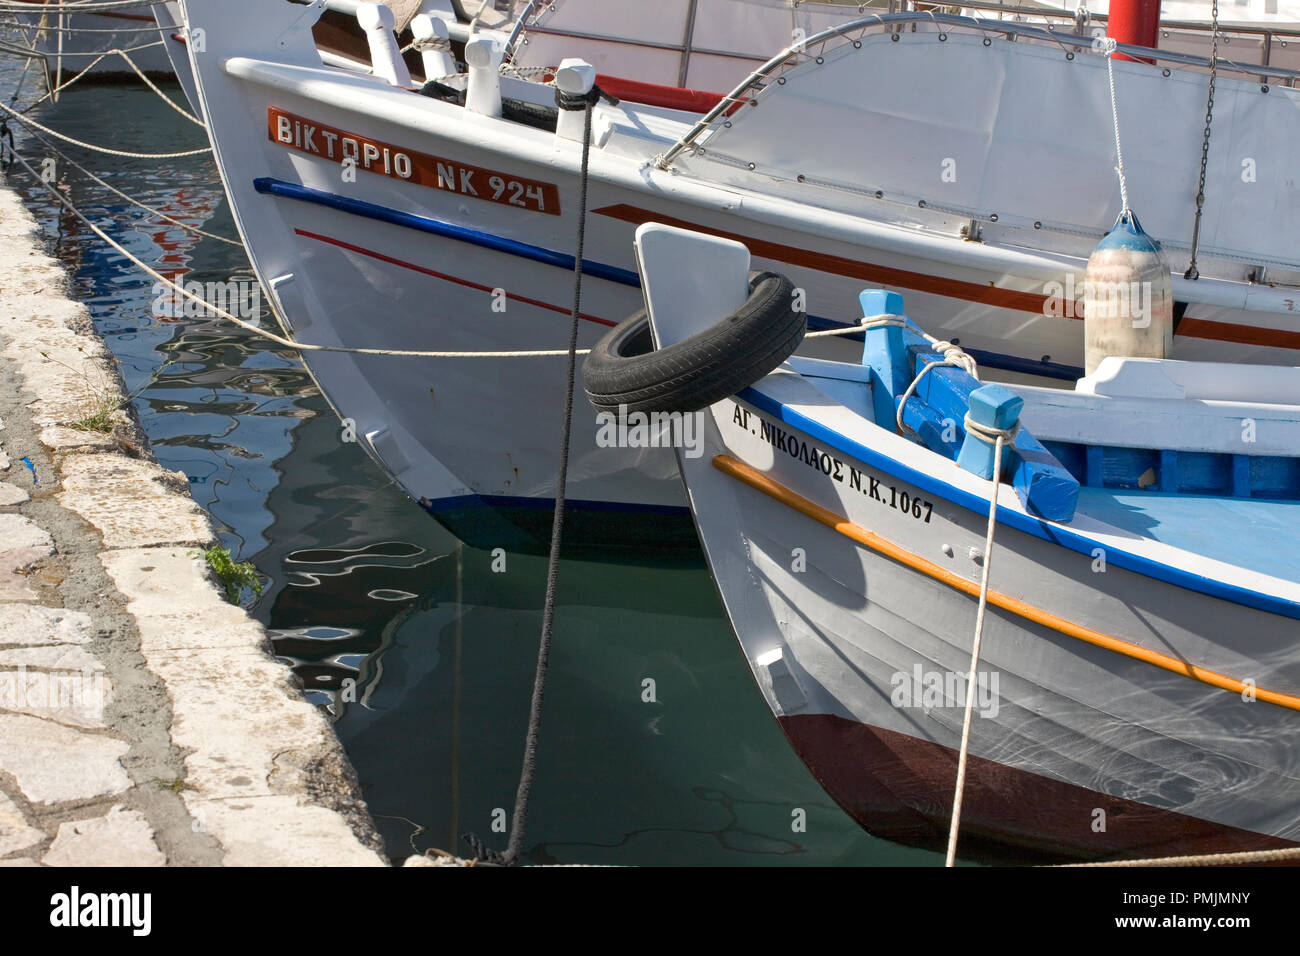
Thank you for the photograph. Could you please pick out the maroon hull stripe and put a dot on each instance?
(900, 788)
(990, 295)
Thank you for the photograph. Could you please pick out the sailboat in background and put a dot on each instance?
(73, 42)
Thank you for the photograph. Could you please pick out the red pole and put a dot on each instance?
(1134, 21)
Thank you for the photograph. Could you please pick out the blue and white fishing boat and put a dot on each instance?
(1137, 689)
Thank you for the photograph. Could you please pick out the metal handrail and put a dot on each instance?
(520, 23)
(892, 20)
(1225, 26)
(1045, 12)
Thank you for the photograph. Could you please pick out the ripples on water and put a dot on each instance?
(421, 654)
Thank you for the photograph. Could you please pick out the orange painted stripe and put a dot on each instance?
(760, 482)
(850, 268)
(952, 288)
(1243, 334)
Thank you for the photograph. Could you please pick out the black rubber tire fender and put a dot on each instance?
(624, 369)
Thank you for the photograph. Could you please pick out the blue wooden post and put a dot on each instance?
(884, 352)
(1240, 476)
(993, 407)
(1169, 471)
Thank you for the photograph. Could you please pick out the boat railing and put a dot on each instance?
(1266, 35)
(815, 47)
(521, 22)
(531, 16)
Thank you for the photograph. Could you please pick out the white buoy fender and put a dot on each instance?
(1128, 297)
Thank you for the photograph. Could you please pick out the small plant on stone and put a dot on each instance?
(175, 785)
(231, 575)
(104, 398)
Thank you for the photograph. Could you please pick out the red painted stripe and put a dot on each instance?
(138, 17)
(448, 278)
(90, 11)
(621, 41)
(655, 94)
(952, 288)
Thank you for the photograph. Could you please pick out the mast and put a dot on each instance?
(1134, 21)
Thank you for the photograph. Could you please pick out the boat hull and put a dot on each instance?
(75, 43)
(376, 260)
(1078, 751)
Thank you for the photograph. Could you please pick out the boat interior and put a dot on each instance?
(1145, 449)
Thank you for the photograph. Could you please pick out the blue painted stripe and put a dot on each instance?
(1014, 519)
(436, 227)
(368, 210)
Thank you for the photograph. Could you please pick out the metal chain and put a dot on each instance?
(1192, 272)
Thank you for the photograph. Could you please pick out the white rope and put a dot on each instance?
(135, 202)
(138, 72)
(161, 95)
(152, 30)
(54, 93)
(250, 327)
(999, 436)
(77, 6)
(990, 435)
(26, 120)
(830, 333)
(1283, 855)
(953, 356)
(1108, 46)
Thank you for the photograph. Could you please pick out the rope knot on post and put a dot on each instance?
(990, 435)
(574, 102)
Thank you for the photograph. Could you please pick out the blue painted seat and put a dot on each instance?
(1261, 533)
(936, 411)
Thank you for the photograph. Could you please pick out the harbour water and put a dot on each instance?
(423, 650)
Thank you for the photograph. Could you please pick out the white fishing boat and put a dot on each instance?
(1138, 683)
(967, 163)
(75, 41)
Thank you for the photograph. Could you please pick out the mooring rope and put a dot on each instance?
(998, 436)
(161, 95)
(76, 6)
(1243, 857)
(115, 31)
(54, 92)
(256, 330)
(953, 355)
(518, 822)
(64, 157)
(28, 121)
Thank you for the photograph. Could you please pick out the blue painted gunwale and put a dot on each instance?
(1037, 527)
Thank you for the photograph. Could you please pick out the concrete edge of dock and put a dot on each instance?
(206, 752)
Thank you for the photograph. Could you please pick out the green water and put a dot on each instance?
(370, 600)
